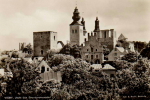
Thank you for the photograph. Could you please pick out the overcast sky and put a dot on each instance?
(20, 18)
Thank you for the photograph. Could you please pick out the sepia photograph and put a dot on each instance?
(74, 50)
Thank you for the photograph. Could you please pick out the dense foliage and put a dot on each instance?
(146, 51)
(79, 81)
(130, 57)
(24, 79)
(139, 46)
(71, 50)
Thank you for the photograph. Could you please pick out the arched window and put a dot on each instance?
(96, 49)
(42, 52)
(54, 37)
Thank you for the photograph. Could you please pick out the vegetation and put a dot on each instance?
(71, 50)
(130, 57)
(146, 51)
(79, 81)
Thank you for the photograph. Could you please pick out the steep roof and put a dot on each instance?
(96, 66)
(107, 67)
(121, 37)
(121, 49)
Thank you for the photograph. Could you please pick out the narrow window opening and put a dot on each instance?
(91, 49)
(47, 69)
(43, 69)
(91, 56)
(75, 31)
(105, 34)
(54, 37)
(42, 52)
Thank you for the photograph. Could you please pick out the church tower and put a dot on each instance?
(83, 23)
(96, 25)
(76, 29)
(97, 30)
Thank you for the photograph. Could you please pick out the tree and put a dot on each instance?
(139, 46)
(130, 57)
(78, 82)
(133, 81)
(57, 59)
(24, 79)
(71, 50)
(106, 51)
(51, 52)
(146, 51)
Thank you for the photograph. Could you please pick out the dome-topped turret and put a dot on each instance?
(76, 17)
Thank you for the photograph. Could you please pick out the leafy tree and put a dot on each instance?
(146, 51)
(139, 46)
(57, 59)
(71, 50)
(78, 82)
(24, 79)
(51, 52)
(133, 81)
(130, 57)
(106, 51)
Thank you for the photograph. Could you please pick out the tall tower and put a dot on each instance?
(96, 25)
(44, 41)
(83, 23)
(76, 29)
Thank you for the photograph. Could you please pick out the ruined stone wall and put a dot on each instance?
(108, 38)
(43, 41)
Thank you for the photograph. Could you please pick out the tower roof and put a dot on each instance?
(76, 17)
(122, 37)
(96, 25)
(83, 23)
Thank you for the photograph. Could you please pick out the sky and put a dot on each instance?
(20, 18)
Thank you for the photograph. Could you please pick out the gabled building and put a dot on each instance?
(92, 51)
(122, 42)
(109, 70)
(116, 53)
(47, 73)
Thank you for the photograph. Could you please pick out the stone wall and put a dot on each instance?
(76, 34)
(44, 41)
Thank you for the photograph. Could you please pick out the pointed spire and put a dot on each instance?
(83, 23)
(96, 18)
(76, 17)
(96, 25)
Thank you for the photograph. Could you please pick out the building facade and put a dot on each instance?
(117, 53)
(92, 45)
(92, 50)
(44, 41)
